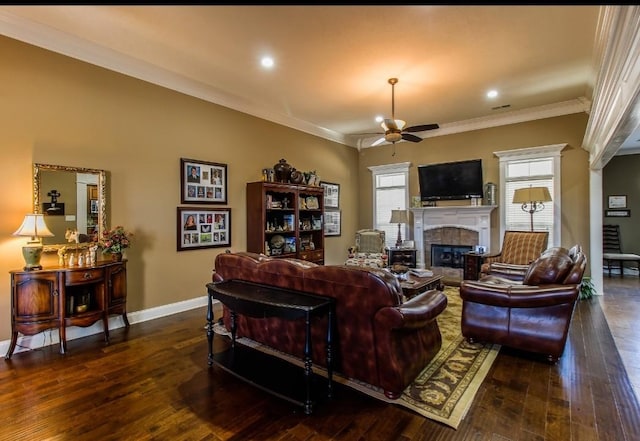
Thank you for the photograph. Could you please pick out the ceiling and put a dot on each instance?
(332, 63)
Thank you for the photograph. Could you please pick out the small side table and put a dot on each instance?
(471, 265)
(402, 256)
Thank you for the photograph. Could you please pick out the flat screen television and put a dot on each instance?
(450, 180)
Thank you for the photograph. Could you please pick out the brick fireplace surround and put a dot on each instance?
(468, 225)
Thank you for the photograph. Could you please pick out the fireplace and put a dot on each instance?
(449, 256)
(467, 225)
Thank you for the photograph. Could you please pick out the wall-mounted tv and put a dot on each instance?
(450, 180)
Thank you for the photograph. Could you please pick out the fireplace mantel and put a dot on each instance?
(472, 217)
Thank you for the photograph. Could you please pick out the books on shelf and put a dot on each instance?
(421, 272)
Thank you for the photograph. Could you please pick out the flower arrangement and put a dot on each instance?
(115, 240)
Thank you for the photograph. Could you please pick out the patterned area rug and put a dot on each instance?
(445, 389)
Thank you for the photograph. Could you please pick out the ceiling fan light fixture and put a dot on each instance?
(393, 136)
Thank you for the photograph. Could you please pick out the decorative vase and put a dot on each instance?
(282, 171)
(116, 257)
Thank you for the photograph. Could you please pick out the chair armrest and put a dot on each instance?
(413, 314)
(490, 258)
(517, 296)
(508, 270)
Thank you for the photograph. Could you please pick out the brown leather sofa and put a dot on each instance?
(533, 315)
(378, 339)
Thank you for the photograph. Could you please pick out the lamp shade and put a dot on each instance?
(531, 194)
(399, 217)
(33, 226)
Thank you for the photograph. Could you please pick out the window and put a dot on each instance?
(390, 192)
(531, 167)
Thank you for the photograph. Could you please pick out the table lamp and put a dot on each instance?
(33, 226)
(532, 199)
(399, 217)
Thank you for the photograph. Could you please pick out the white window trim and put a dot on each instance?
(546, 151)
(401, 167)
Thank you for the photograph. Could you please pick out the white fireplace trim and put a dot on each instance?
(470, 217)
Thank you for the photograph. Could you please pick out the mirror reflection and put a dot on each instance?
(73, 201)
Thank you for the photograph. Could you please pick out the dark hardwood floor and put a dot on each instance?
(153, 383)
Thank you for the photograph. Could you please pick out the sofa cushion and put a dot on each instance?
(549, 268)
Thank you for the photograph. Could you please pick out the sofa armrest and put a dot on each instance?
(517, 296)
(413, 314)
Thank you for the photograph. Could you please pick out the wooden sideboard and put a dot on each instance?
(58, 297)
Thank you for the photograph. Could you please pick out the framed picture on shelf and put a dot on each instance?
(202, 182)
(203, 228)
(331, 195)
(332, 223)
(617, 201)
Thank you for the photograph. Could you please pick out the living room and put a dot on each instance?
(58, 110)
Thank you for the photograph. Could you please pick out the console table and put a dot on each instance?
(58, 297)
(255, 300)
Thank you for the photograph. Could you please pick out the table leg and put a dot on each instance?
(210, 329)
(308, 405)
(234, 328)
(330, 353)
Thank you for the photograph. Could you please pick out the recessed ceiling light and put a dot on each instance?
(492, 94)
(267, 62)
(379, 119)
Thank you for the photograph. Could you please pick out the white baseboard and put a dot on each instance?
(51, 336)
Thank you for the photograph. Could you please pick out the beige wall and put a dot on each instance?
(482, 144)
(57, 110)
(620, 177)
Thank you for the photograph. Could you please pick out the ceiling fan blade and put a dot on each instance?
(410, 137)
(378, 142)
(422, 128)
(390, 124)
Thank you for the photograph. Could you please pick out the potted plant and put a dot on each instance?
(586, 288)
(115, 241)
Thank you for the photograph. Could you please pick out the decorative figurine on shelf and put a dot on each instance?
(285, 203)
(296, 176)
(62, 256)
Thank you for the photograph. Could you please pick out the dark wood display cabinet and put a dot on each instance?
(285, 220)
(58, 297)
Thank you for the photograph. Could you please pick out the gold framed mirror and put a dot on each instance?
(73, 199)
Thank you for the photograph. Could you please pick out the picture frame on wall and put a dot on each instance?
(202, 182)
(331, 194)
(617, 201)
(200, 227)
(332, 223)
(617, 213)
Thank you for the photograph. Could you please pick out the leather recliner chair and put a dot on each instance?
(533, 315)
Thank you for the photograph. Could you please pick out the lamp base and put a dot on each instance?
(399, 239)
(32, 256)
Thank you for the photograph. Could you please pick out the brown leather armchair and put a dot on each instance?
(533, 315)
(519, 249)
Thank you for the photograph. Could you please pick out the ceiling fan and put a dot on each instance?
(394, 130)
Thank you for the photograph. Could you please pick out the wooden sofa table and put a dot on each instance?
(267, 372)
